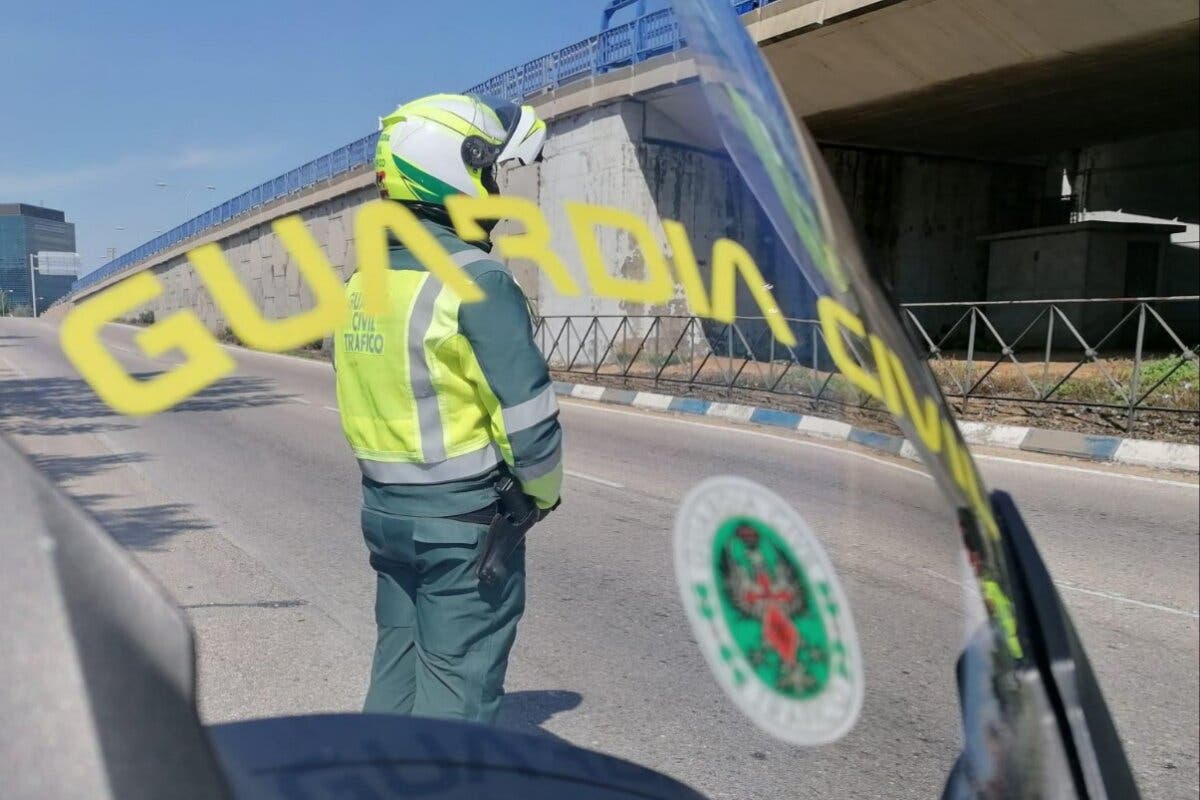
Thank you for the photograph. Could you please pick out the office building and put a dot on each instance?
(27, 230)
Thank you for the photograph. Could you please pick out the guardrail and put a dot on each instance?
(646, 36)
(1031, 351)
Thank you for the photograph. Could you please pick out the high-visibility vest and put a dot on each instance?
(408, 384)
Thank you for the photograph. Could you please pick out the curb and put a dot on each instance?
(1114, 449)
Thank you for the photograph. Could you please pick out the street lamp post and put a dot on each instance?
(111, 252)
(187, 193)
(32, 283)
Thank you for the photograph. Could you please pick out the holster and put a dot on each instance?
(515, 515)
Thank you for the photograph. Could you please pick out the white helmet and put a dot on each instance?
(448, 144)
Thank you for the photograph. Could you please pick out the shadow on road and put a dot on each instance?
(65, 406)
(230, 393)
(143, 527)
(528, 711)
(61, 406)
(64, 469)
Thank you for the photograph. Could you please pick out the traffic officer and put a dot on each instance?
(438, 403)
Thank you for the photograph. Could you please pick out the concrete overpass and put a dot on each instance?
(943, 121)
(976, 78)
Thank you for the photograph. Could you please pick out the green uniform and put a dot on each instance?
(437, 398)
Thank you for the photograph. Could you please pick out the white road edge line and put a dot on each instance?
(1066, 468)
(1119, 598)
(593, 479)
(330, 408)
(979, 457)
(1123, 599)
(302, 400)
(744, 431)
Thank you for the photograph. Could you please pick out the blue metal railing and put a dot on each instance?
(649, 35)
(357, 153)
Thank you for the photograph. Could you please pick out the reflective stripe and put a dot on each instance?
(525, 415)
(467, 465)
(429, 415)
(530, 472)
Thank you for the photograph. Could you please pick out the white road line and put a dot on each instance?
(593, 479)
(302, 400)
(751, 432)
(1121, 475)
(1120, 598)
(743, 431)
(330, 408)
(935, 574)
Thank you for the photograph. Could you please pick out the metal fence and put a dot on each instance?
(1117, 354)
(646, 36)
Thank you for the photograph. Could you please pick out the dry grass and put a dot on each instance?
(1172, 381)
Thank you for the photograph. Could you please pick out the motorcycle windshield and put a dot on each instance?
(899, 506)
(922, 560)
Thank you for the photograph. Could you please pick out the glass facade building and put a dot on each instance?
(27, 229)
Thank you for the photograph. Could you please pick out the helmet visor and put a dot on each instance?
(507, 113)
(524, 133)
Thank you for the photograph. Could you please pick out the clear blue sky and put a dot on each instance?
(103, 100)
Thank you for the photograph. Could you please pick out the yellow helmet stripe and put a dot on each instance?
(448, 119)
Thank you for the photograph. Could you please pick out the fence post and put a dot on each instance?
(1134, 379)
(729, 356)
(657, 323)
(1049, 345)
(771, 361)
(970, 360)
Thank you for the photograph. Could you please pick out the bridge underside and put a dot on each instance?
(1133, 88)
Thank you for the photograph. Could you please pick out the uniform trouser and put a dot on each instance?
(443, 640)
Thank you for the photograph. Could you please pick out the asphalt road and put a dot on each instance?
(243, 501)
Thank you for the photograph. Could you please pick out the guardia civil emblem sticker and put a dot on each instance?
(768, 611)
